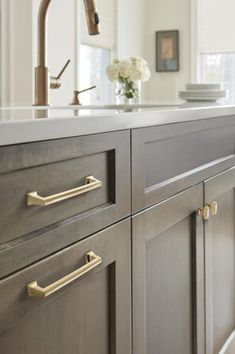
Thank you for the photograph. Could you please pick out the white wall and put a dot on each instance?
(168, 15)
(16, 56)
(131, 28)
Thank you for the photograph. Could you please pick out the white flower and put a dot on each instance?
(138, 60)
(116, 61)
(146, 75)
(125, 67)
(113, 72)
(135, 73)
(131, 70)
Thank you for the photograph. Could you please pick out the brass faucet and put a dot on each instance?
(43, 80)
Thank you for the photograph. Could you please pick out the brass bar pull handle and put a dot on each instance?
(92, 261)
(91, 183)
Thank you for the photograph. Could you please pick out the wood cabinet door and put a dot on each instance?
(220, 261)
(92, 315)
(168, 292)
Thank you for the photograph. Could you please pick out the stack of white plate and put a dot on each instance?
(202, 93)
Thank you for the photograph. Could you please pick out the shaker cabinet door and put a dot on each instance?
(89, 315)
(220, 260)
(168, 293)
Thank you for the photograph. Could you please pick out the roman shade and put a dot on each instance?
(216, 26)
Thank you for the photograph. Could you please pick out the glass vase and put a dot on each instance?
(124, 92)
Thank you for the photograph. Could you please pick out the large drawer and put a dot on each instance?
(171, 158)
(91, 314)
(50, 168)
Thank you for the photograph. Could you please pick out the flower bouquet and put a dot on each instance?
(127, 73)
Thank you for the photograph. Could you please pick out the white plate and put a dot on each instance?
(203, 87)
(216, 93)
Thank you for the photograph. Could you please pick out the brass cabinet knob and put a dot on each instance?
(214, 208)
(207, 210)
(204, 212)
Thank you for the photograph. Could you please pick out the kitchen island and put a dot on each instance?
(117, 230)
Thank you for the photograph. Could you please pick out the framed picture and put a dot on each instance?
(167, 51)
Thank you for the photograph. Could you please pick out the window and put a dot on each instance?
(219, 68)
(93, 63)
(215, 47)
(96, 53)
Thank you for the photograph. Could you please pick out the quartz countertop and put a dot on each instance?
(27, 124)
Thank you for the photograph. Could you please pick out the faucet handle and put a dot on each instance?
(76, 101)
(55, 82)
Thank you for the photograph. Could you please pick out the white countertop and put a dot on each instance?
(19, 125)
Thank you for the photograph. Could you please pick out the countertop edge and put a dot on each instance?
(17, 132)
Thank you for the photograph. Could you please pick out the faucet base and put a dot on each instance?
(42, 82)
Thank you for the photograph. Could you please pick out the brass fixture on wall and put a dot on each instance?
(43, 80)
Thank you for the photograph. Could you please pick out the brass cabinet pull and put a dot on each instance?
(92, 261)
(91, 183)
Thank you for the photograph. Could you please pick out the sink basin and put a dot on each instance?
(116, 107)
(29, 113)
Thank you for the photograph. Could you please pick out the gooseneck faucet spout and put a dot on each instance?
(43, 80)
(42, 28)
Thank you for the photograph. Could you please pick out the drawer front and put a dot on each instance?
(92, 313)
(169, 159)
(51, 168)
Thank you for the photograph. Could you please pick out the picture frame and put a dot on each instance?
(167, 51)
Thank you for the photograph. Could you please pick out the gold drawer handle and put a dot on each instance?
(92, 261)
(91, 183)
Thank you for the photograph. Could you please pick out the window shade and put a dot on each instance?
(107, 15)
(216, 26)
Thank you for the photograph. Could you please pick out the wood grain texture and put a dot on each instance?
(168, 292)
(92, 315)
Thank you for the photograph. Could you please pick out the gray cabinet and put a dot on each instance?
(220, 261)
(184, 271)
(168, 282)
(170, 158)
(51, 168)
(92, 314)
(183, 267)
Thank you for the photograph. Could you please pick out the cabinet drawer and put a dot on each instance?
(53, 167)
(91, 314)
(171, 158)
